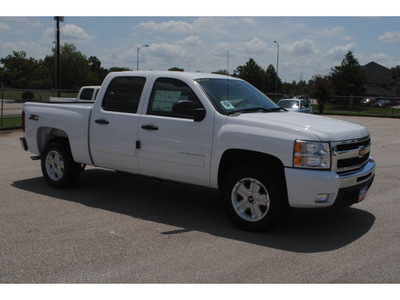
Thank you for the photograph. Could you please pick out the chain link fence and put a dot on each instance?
(374, 106)
(12, 101)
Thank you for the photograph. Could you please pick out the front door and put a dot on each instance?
(173, 146)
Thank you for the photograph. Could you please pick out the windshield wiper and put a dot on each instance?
(255, 109)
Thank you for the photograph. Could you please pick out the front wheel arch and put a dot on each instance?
(252, 198)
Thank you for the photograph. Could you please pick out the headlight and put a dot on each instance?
(311, 155)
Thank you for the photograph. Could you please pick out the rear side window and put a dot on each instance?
(166, 92)
(86, 94)
(123, 94)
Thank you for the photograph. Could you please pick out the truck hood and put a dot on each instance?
(326, 129)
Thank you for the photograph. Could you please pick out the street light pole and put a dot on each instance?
(58, 62)
(137, 55)
(277, 72)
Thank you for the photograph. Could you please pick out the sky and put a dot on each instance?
(310, 42)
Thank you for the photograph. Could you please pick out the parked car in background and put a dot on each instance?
(86, 94)
(382, 103)
(296, 105)
(367, 101)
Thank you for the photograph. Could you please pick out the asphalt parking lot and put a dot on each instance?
(116, 228)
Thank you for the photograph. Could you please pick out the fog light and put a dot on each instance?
(321, 198)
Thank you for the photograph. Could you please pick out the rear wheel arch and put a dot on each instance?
(58, 166)
(48, 134)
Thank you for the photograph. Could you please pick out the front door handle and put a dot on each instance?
(102, 121)
(150, 127)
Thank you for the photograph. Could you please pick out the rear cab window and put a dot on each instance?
(86, 94)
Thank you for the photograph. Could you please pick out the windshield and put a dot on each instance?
(230, 96)
(289, 103)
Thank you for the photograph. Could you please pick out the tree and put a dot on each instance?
(74, 67)
(96, 73)
(22, 72)
(348, 78)
(176, 69)
(221, 72)
(252, 73)
(270, 80)
(321, 89)
(119, 69)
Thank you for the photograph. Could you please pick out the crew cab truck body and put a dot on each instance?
(209, 130)
(85, 94)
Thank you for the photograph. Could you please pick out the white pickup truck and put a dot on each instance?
(209, 130)
(86, 93)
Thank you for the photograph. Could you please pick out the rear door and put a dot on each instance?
(172, 146)
(114, 124)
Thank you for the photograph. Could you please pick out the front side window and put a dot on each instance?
(123, 94)
(166, 93)
(305, 103)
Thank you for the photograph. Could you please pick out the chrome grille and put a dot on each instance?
(350, 155)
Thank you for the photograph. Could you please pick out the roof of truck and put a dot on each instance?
(175, 74)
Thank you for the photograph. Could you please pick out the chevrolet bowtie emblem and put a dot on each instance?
(362, 151)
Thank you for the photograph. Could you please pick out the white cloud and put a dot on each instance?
(246, 49)
(192, 41)
(74, 33)
(180, 27)
(256, 45)
(295, 26)
(390, 37)
(70, 33)
(213, 26)
(4, 26)
(250, 22)
(167, 50)
(338, 52)
(329, 32)
(300, 48)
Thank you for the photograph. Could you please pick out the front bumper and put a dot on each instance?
(306, 186)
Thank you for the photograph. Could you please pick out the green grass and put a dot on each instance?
(38, 95)
(9, 122)
(359, 111)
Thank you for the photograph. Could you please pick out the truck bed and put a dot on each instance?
(69, 119)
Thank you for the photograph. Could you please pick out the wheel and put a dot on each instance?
(58, 167)
(252, 198)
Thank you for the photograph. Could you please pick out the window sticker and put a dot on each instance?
(227, 105)
(165, 99)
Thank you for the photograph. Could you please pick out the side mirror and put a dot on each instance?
(190, 109)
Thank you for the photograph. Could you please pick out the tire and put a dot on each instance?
(252, 198)
(58, 167)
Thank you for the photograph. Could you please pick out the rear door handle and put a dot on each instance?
(150, 127)
(102, 121)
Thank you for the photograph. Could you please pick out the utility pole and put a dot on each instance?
(277, 72)
(58, 61)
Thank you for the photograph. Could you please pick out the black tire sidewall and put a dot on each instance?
(71, 169)
(275, 195)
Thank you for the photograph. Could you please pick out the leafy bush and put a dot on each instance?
(27, 96)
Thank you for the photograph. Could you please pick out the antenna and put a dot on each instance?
(227, 75)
